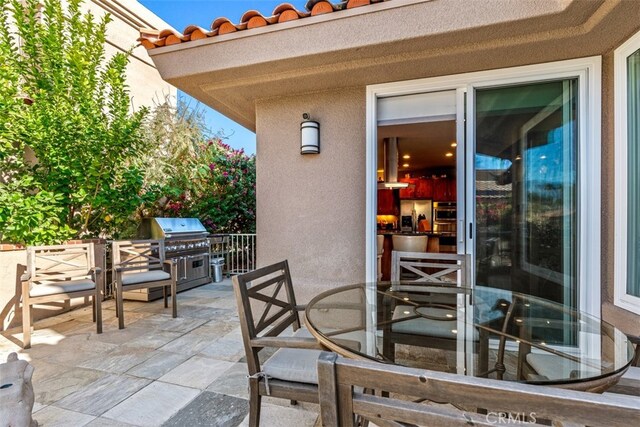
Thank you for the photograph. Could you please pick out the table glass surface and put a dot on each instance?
(482, 331)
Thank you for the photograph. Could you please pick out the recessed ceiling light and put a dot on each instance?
(449, 154)
(405, 165)
(518, 157)
(406, 156)
(454, 144)
(543, 157)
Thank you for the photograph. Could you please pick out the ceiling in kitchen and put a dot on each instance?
(426, 143)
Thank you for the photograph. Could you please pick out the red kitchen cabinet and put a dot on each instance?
(387, 203)
(410, 191)
(452, 186)
(424, 188)
(445, 190)
(440, 190)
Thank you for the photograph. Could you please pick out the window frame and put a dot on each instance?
(621, 298)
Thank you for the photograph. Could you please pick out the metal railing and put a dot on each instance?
(238, 251)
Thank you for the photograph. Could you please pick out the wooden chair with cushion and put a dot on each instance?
(401, 324)
(267, 308)
(140, 264)
(504, 402)
(59, 273)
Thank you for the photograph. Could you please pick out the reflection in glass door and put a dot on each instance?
(526, 179)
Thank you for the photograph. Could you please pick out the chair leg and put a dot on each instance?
(164, 296)
(26, 325)
(174, 300)
(97, 303)
(93, 309)
(254, 403)
(120, 306)
(294, 402)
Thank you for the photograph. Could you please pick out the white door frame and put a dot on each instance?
(588, 73)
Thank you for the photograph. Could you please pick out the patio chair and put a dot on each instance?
(140, 264)
(60, 273)
(401, 324)
(341, 399)
(266, 308)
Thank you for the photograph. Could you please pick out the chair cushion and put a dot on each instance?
(145, 276)
(426, 327)
(294, 364)
(556, 367)
(61, 287)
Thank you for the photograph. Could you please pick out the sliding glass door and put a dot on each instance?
(526, 175)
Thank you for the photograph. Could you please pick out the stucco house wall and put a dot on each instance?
(311, 208)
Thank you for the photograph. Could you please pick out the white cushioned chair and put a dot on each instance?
(140, 264)
(60, 273)
(407, 327)
(267, 308)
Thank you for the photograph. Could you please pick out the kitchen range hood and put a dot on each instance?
(390, 152)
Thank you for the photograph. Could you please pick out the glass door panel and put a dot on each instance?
(526, 190)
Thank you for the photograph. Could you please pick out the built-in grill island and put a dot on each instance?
(185, 240)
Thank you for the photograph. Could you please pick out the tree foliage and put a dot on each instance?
(68, 139)
(193, 173)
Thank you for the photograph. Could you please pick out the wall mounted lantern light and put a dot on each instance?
(309, 136)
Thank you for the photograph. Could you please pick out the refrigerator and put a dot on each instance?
(411, 210)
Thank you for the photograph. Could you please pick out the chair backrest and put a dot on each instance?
(442, 268)
(266, 306)
(409, 243)
(138, 255)
(339, 381)
(60, 262)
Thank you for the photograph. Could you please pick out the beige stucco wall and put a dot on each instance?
(311, 208)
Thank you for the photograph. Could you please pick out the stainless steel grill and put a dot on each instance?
(185, 241)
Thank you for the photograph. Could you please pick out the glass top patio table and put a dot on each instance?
(483, 332)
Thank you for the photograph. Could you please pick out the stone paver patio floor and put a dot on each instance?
(188, 371)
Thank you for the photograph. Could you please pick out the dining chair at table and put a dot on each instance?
(140, 264)
(341, 382)
(60, 273)
(267, 308)
(401, 324)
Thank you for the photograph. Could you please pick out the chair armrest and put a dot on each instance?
(117, 269)
(168, 264)
(300, 307)
(287, 342)
(25, 277)
(96, 270)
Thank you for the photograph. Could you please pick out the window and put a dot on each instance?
(627, 175)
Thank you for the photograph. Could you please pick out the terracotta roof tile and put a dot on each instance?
(284, 12)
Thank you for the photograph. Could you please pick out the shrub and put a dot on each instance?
(81, 177)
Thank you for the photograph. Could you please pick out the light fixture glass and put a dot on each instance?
(406, 156)
(454, 144)
(405, 165)
(449, 154)
(309, 136)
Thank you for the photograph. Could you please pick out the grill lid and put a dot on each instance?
(171, 228)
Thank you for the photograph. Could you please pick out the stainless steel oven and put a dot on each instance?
(445, 211)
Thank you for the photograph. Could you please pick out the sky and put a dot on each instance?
(180, 13)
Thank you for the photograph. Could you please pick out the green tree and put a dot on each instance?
(68, 138)
(193, 173)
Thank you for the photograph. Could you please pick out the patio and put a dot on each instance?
(157, 371)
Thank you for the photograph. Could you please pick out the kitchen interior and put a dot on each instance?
(416, 189)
